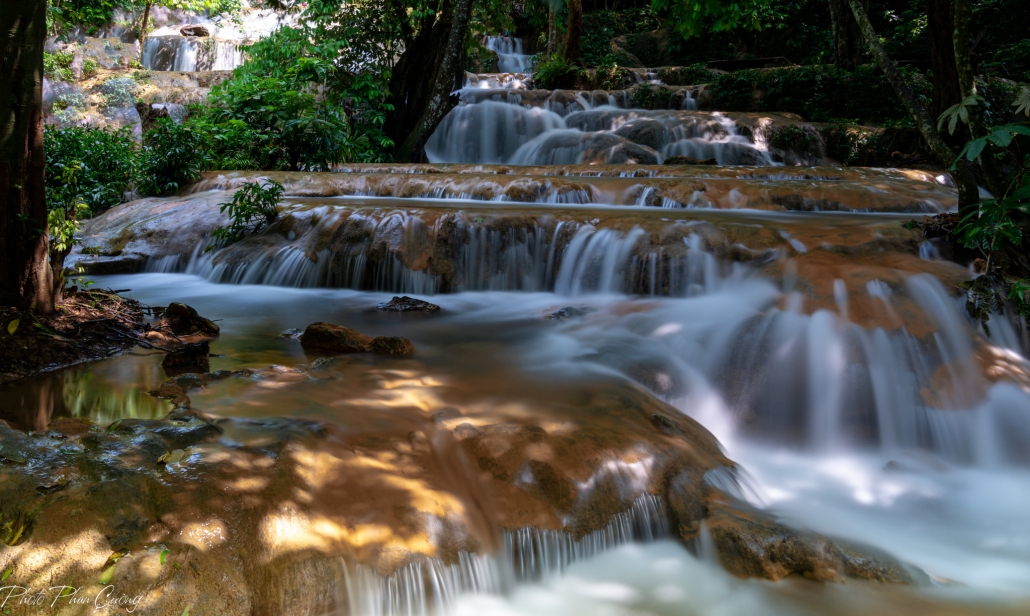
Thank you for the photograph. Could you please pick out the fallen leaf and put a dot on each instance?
(13, 326)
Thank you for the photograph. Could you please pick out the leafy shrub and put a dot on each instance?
(794, 138)
(253, 206)
(90, 67)
(101, 162)
(695, 74)
(297, 129)
(173, 156)
(119, 92)
(820, 93)
(57, 66)
(647, 96)
(289, 128)
(601, 27)
(555, 72)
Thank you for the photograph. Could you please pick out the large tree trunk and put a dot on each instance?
(574, 38)
(941, 30)
(25, 277)
(439, 100)
(847, 37)
(968, 193)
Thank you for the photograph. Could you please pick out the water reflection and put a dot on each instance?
(101, 392)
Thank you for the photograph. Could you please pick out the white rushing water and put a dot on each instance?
(944, 489)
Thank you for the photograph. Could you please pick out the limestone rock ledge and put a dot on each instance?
(247, 516)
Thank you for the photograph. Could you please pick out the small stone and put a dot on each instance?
(569, 312)
(291, 334)
(408, 304)
(335, 338)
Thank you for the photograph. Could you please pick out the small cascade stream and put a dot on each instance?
(790, 310)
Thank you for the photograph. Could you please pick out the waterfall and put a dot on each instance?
(510, 58)
(174, 52)
(429, 586)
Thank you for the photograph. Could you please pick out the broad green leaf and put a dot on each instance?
(105, 577)
(1019, 129)
(974, 148)
(1000, 137)
(13, 326)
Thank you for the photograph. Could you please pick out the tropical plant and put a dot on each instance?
(104, 163)
(997, 229)
(253, 206)
(173, 156)
(57, 66)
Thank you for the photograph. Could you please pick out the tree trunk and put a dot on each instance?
(968, 193)
(847, 37)
(967, 85)
(552, 32)
(941, 30)
(142, 34)
(574, 37)
(25, 277)
(440, 100)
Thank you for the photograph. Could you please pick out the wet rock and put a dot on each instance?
(195, 30)
(688, 160)
(335, 338)
(340, 339)
(291, 334)
(569, 312)
(171, 391)
(749, 544)
(194, 358)
(646, 132)
(408, 304)
(392, 345)
(183, 320)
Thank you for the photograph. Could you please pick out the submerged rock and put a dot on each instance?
(340, 339)
(188, 358)
(569, 312)
(689, 160)
(408, 304)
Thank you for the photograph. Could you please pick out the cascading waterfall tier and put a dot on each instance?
(510, 57)
(430, 586)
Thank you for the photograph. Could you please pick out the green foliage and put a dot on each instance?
(600, 28)
(57, 66)
(555, 72)
(303, 110)
(692, 75)
(647, 96)
(252, 207)
(119, 92)
(104, 164)
(609, 77)
(693, 17)
(849, 144)
(173, 156)
(820, 93)
(794, 138)
(89, 67)
(997, 229)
